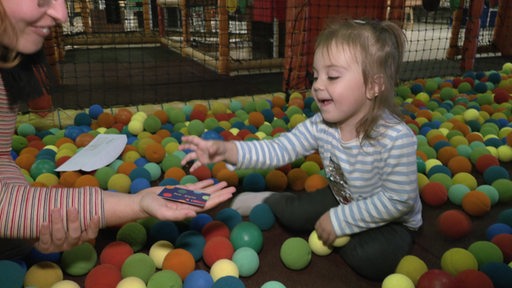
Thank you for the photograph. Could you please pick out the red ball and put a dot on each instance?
(103, 275)
(215, 228)
(504, 242)
(485, 161)
(454, 224)
(434, 194)
(473, 279)
(501, 95)
(436, 278)
(217, 248)
(115, 253)
(202, 173)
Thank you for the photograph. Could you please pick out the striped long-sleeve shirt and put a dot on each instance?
(381, 174)
(22, 207)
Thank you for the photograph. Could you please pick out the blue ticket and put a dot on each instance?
(183, 195)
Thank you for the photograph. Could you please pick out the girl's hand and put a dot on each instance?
(325, 230)
(58, 236)
(204, 151)
(154, 205)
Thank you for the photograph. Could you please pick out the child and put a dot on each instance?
(53, 219)
(368, 153)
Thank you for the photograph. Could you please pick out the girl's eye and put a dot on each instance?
(332, 78)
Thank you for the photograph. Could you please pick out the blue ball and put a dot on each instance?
(198, 279)
(82, 119)
(36, 256)
(262, 216)
(139, 184)
(494, 77)
(211, 135)
(141, 161)
(140, 172)
(499, 273)
(229, 216)
(72, 132)
(197, 223)
(228, 282)
(268, 115)
(95, 110)
(253, 182)
(439, 169)
(12, 274)
(168, 181)
(497, 228)
(164, 230)
(494, 173)
(193, 242)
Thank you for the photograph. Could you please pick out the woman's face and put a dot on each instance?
(32, 20)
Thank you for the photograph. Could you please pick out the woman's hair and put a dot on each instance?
(378, 47)
(8, 56)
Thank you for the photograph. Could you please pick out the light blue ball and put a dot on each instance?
(198, 279)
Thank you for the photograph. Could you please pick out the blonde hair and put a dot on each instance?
(8, 56)
(378, 47)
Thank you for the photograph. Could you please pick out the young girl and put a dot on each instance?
(56, 219)
(368, 153)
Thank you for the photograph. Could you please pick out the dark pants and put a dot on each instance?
(374, 253)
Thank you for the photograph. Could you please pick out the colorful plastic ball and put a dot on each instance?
(192, 241)
(317, 246)
(115, 253)
(262, 216)
(246, 260)
(247, 234)
(131, 282)
(434, 194)
(82, 119)
(42, 274)
(504, 242)
(41, 166)
(253, 182)
(494, 173)
(466, 179)
(499, 273)
(229, 216)
(397, 280)
(159, 250)
(491, 192)
(485, 252)
(485, 161)
(66, 284)
(505, 217)
(139, 184)
(276, 180)
(180, 261)
(412, 267)
(139, 265)
(198, 279)
(457, 192)
(95, 110)
(119, 182)
(315, 182)
(134, 234)
(496, 229)
(79, 260)
(273, 284)
(436, 278)
(473, 279)
(456, 260)
(26, 129)
(222, 268)
(103, 275)
(229, 281)
(164, 278)
(217, 248)
(199, 221)
(476, 203)
(11, 273)
(459, 164)
(163, 230)
(295, 253)
(504, 188)
(454, 224)
(214, 229)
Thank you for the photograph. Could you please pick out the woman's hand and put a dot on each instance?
(206, 151)
(325, 230)
(59, 235)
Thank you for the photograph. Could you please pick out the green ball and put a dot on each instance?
(431, 86)
(138, 265)
(491, 192)
(448, 93)
(154, 170)
(26, 129)
(42, 166)
(403, 91)
(457, 192)
(152, 124)
(273, 284)
(195, 127)
(103, 174)
(134, 234)
(442, 178)
(485, 252)
(504, 188)
(165, 278)
(188, 179)
(246, 234)
(295, 253)
(247, 261)
(262, 104)
(310, 167)
(79, 260)
(175, 115)
(18, 143)
(170, 161)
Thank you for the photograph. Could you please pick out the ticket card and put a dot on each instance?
(183, 195)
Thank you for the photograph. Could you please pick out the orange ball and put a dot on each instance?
(154, 152)
(126, 168)
(446, 153)
(30, 150)
(276, 180)
(315, 157)
(454, 224)
(161, 115)
(459, 164)
(509, 139)
(36, 144)
(298, 102)
(106, 120)
(297, 179)
(25, 161)
(163, 133)
(217, 167)
(123, 116)
(278, 101)
(62, 160)
(83, 139)
(87, 181)
(436, 138)
(229, 176)
(68, 178)
(175, 173)
(315, 182)
(256, 119)
(474, 136)
(202, 172)
(180, 261)
(63, 140)
(476, 203)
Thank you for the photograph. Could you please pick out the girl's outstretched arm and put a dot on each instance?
(207, 151)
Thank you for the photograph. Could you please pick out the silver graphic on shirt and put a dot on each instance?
(338, 182)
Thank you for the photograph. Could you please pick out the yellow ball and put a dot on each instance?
(43, 275)
(456, 260)
(159, 250)
(317, 246)
(64, 153)
(471, 114)
(68, 146)
(223, 267)
(505, 153)
(466, 179)
(119, 182)
(65, 284)
(135, 127)
(431, 163)
(493, 150)
(49, 179)
(101, 130)
(341, 241)
(131, 282)
(397, 280)
(53, 147)
(412, 267)
(422, 180)
(130, 156)
(261, 135)
(423, 97)
(139, 116)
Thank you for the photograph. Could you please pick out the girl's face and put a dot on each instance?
(339, 88)
(32, 20)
